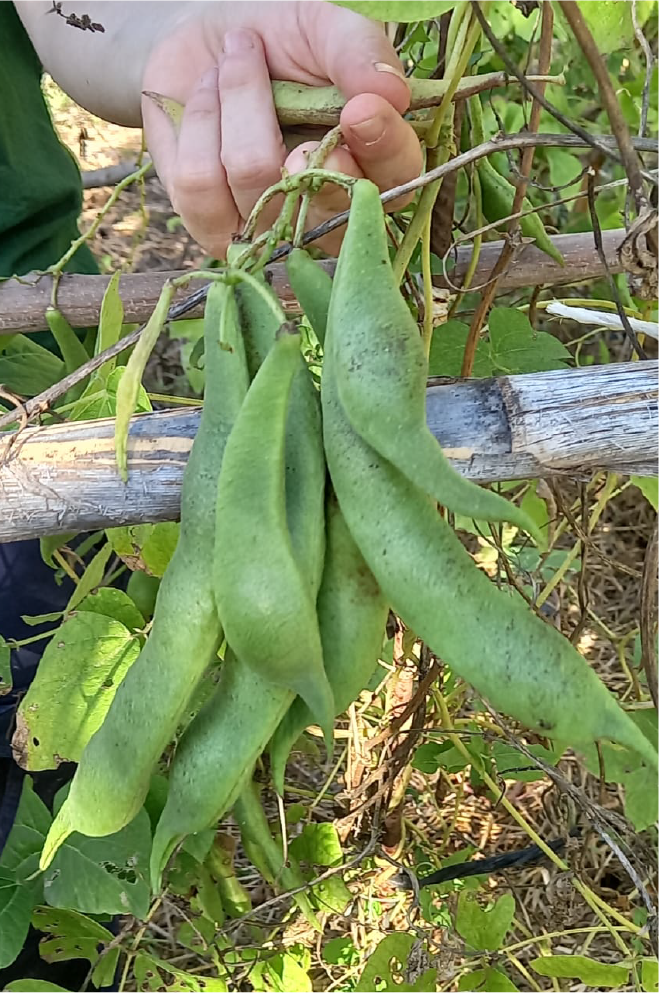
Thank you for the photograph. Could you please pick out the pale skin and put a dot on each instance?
(218, 58)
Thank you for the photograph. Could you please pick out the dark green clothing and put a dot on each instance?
(40, 188)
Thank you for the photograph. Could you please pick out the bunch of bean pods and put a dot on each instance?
(294, 568)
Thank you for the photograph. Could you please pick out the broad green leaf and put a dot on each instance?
(49, 545)
(208, 897)
(130, 384)
(489, 980)
(447, 349)
(641, 799)
(113, 603)
(109, 325)
(332, 894)
(511, 764)
(588, 971)
(340, 951)
(393, 953)
(28, 368)
(484, 929)
(145, 546)
(91, 577)
(622, 765)
(6, 678)
(36, 985)
(536, 508)
(74, 936)
(564, 167)
(74, 686)
(103, 875)
(403, 11)
(17, 900)
(649, 487)
(100, 399)
(318, 844)
(516, 348)
(150, 972)
(611, 22)
(23, 848)
(650, 975)
(284, 973)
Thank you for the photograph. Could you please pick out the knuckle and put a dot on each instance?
(251, 170)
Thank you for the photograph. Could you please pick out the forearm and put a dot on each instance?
(103, 71)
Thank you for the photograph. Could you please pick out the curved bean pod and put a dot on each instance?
(522, 665)
(112, 779)
(352, 614)
(381, 367)
(262, 597)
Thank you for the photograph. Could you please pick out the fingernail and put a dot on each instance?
(238, 42)
(369, 131)
(394, 70)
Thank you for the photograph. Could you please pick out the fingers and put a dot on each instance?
(253, 150)
(354, 53)
(192, 169)
(383, 145)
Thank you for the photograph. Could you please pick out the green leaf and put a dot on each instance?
(131, 382)
(109, 326)
(91, 577)
(490, 980)
(100, 399)
(50, 543)
(74, 686)
(447, 349)
(6, 678)
(145, 546)
(318, 844)
(74, 936)
(641, 798)
(403, 11)
(588, 971)
(113, 603)
(23, 848)
(611, 23)
(28, 985)
(340, 951)
(511, 764)
(386, 967)
(150, 972)
(28, 368)
(484, 929)
(650, 975)
(649, 487)
(536, 508)
(103, 875)
(332, 894)
(17, 900)
(516, 348)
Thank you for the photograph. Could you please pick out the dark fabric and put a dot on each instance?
(40, 189)
(40, 201)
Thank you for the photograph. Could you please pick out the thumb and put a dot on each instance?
(354, 53)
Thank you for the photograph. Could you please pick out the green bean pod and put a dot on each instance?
(382, 368)
(304, 456)
(112, 779)
(312, 287)
(262, 597)
(352, 614)
(523, 666)
(234, 726)
(265, 852)
(497, 198)
(215, 758)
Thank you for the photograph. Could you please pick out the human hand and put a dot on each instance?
(218, 60)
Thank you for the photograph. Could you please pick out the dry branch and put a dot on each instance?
(64, 478)
(23, 302)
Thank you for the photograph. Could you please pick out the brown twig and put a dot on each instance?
(510, 244)
(648, 614)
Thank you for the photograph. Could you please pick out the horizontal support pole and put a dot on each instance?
(23, 301)
(575, 421)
